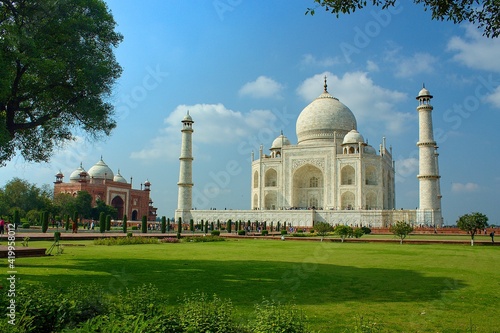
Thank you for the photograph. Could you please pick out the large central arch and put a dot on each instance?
(118, 203)
(308, 187)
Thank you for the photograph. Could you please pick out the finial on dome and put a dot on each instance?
(423, 85)
(326, 86)
(281, 132)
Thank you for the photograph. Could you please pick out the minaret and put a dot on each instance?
(429, 211)
(185, 184)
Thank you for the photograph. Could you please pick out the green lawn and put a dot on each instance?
(409, 288)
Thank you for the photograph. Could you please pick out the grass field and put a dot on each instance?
(409, 288)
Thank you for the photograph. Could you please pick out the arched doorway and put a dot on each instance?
(118, 203)
(134, 215)
(308, 190)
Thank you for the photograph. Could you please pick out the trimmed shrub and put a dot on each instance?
(179, 226)
(284, 232)
(241, 232)
(205, 239)
(215, 232)
(102, 222)
(135, 227)
(228, 226)
(26, 225)
(124, 223)
(129, 234)
(67, 223)
(191, 225)
(366, 230)
(265, 232)
(126, 240)
(108, 222)
(45, 221)
(144, 225)
(163, 224)
(57, 236)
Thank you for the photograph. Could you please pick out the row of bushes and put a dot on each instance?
(85, 308)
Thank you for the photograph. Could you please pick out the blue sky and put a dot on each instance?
(245, 70)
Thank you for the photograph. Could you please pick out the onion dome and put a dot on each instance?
(147, 183)
(187, 118)
(280, 141)
(75, 175)
(101, 171)
(119, 178)
(318, 122)
(353, 137)
(369, 150)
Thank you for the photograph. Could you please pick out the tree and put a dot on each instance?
(83, 204)
(102, 222)
(57, 69)
(163, 224)
(343, 231)
(322, 229)
(144, 225)
(102, 207)
(24, 196)
(108, 222)
(472, 223)
(484, 13)
(401, 229)
(124, 226)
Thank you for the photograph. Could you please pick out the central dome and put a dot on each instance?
(101, 171)
(326, 115)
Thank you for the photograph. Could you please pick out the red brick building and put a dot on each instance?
(102, 184)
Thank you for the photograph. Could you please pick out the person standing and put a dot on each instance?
(492, 235)
(2, 226)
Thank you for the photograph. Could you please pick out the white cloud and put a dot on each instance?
(373, 106)
(494, 98)
(408, 66)
(405, 168)
(262, 87)
(475, 50)
(214, 124)
(310, 60)
(416, 64)
(371, 66)
(464, 188)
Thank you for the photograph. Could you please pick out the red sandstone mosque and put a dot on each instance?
(102, 184)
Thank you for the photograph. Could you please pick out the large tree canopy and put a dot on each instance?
(57, 68)
(484, 13)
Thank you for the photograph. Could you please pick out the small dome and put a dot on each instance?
(187, 118)
(369, 150)
(324, 116)
(119, 178)
(100, 171)
(353, 137)
(75, 175)
(424, 93)
(280, 141)
(147, 183)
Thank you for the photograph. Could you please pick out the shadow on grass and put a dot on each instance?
(246, 282)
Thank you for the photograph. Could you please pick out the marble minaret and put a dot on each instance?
(429, 211)
(185, 184)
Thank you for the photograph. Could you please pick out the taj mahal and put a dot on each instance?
(331, 175)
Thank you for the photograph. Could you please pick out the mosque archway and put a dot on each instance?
(370, 175)
(371, 200)
(134, 215)
(308, 187)
(271, 178)
(347, 175)
(347, 200)
(118, 204)
(271, 201)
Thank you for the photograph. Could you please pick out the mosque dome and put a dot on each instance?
(369, 150)
(100, 171)
(424, 93)
(75, 175)
(280, 141)
(353, 137)
(322, 117)
(187, 118)
(119, 178)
